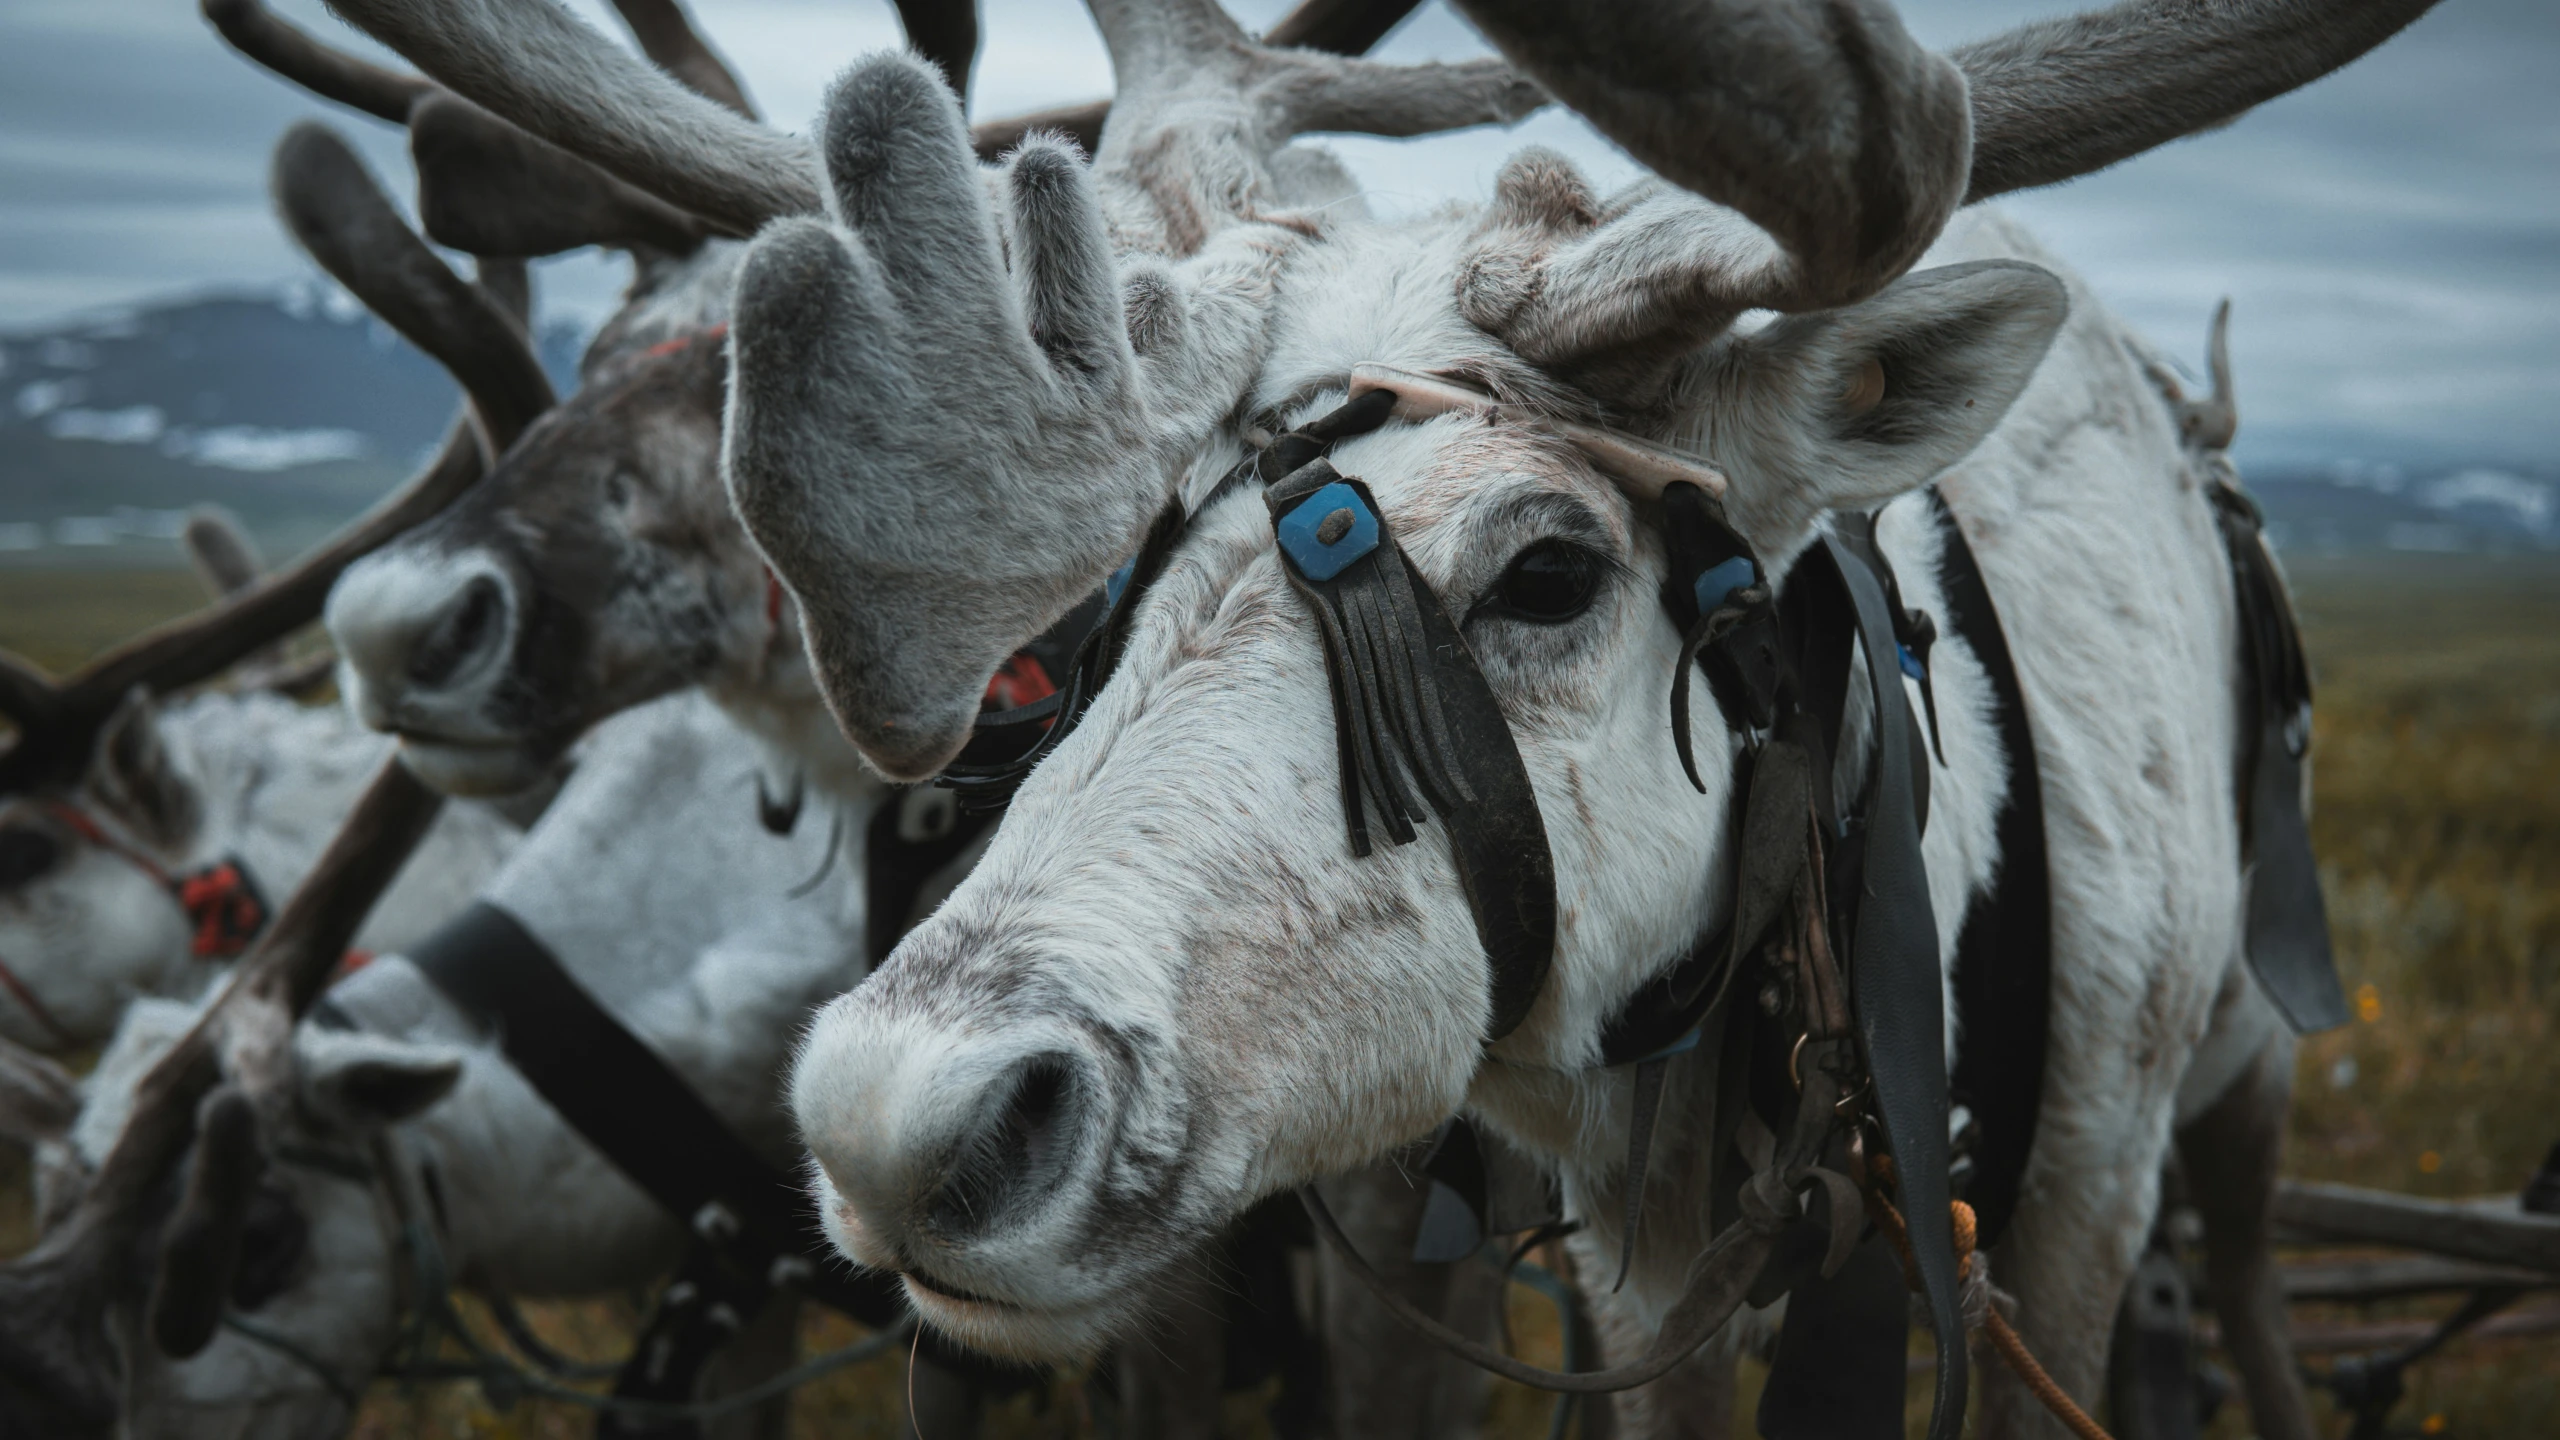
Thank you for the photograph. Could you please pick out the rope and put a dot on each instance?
(2006, 1341)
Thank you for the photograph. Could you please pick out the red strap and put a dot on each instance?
(224, 907)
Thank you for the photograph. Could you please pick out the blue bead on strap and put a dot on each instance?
(1717, 584)
(1911, 665)
(1320, 545)
(1118, 582)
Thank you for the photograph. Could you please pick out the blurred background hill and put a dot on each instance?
(291, 408)
(294, 409)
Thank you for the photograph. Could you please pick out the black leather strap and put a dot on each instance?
(1894, 981)
(2288, 919)
(2004, 955)
(1416, 726)
(624, 1100)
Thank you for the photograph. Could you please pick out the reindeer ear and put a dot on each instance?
(132, 775)
(369, 1080)
(1846, 409)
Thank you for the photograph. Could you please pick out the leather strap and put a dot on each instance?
(1894, 980)
(2288, 919)
(637, 1112)
(2004, 955)
(1416, 725)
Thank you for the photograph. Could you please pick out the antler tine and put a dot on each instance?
(534, 64)
(27, 696)
(255, 31)
(2211, 421)
(1339, 27)
(2061, 98)
(1822, 122)
(667, 36)
(946, 33)
(1200, 109)
(334, 208)
(487, 188)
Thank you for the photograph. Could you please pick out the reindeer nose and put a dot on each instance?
(937, 1142)
(1016, 1150)
(415, 630)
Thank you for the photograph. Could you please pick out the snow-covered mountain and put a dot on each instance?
(293, 409)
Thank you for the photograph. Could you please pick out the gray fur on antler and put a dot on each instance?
(1824, 124)
(2064, 97)
(895, 386)
(1826, 149)
(544, 69)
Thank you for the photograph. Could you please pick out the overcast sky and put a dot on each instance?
(2391, 236)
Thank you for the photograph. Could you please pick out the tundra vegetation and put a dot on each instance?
(2438, 822)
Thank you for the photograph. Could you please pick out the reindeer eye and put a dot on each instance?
(1549, 583)
(617, 491)
(25, 853)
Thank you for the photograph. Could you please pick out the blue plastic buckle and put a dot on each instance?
(1327, 531)
(1717, 583)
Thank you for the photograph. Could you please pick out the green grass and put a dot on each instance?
(2437, 772)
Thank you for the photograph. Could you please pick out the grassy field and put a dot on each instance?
(2438, 820)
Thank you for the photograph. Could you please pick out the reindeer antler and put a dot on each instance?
(334, 208)
(486, 187)
(255, 31)
(533, 63)
(668, 38)
(1830, 148)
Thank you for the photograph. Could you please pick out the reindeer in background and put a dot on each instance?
(140, 838)
(399, 1104)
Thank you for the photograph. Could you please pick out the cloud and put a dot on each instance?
(2390, 237)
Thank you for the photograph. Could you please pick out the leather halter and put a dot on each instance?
(1417, 729)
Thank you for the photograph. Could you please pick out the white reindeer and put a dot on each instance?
(1170, 990)
(664, 898)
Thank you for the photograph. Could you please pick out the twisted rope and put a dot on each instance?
(2005, 1340)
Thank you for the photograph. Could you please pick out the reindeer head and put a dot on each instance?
(1171, 987)
(283, 1219)
(596, 568)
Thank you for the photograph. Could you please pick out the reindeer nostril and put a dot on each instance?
(468, 627)
(1017, 1149)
